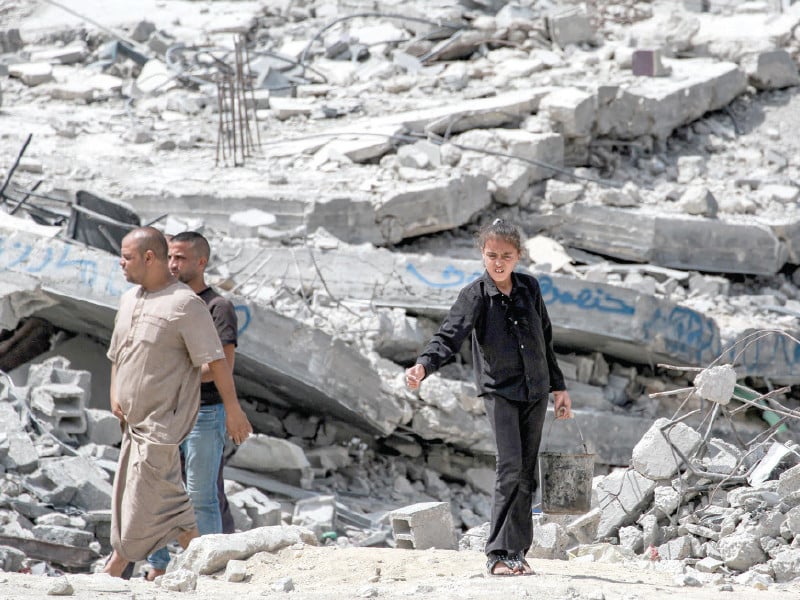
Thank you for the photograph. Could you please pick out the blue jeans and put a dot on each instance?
(202, 453)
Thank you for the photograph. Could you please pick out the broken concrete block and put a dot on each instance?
(666, 499)
(210, 553)
(773, 69)
(786, 565)
(284, 458)
(654, 456)
(656, 106)
(698, 200)
(621, 496)
(789, 482)
(235, 571)
(632, 538)
(179, 580)
(32, 74)
(56, 370)
(691, 168)
(559, 193)
(66, 536)
(424, 525)
(481, 478)
(61, 405)
(246, 223)
(75, 480)
(716, 383)
(329, 459)
(423, 208)
(709, 565)
(584, 527)
(286, 108)
(676, 549)
(411, 156)
(570, 110)
(726, 459)
(317, 514)
(70, 54)
(142, 31)
(549, 541)
(17, 452)
(258, 509)
(102, 427)
(665, 240)
(511, 178)
(741, 551)
(155, 78)
(569, 27)
(11, 559)
(10, 41)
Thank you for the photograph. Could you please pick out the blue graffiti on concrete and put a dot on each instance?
(27, 258)
(245, 317)
(87, 268)
(771, 353)
(453, 277)
(586, 299)
(24, 257)
(684, 332)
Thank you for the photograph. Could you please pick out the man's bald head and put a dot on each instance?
(149, 238)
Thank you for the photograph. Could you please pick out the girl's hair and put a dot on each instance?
(502, 230)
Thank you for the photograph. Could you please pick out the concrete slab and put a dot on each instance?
(656, 106)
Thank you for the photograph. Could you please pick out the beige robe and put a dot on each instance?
(160, 341)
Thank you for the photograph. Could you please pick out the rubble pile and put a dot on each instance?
(705, 508)
(644, 148)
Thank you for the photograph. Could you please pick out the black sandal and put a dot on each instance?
(496, 557)
(522, 566)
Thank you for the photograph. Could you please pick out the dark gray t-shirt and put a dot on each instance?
(224, 316)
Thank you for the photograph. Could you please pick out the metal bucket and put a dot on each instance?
(566, 481)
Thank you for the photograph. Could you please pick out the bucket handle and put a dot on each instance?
(580, 433)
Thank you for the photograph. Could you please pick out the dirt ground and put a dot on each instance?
(345, 573)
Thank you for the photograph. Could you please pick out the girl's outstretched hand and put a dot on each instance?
(414, 376)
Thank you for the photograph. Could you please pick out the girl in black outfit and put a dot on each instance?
(515, 371)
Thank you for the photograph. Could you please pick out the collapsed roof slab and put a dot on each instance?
(615, 320)
(301, 364)
(279, 356)
(677, 241)
(431, 206)
(20, 298)
(655, 106)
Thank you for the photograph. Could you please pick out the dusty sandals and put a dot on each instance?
(522, 565)
(515, 563)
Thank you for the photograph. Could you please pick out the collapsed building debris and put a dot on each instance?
(386, 140)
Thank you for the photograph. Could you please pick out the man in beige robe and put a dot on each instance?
(163, 334)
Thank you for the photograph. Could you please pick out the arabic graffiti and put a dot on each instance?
(102, 277)
(453, 277)
(765, 353)
(684, 332)
(20, 256)
(586, 299)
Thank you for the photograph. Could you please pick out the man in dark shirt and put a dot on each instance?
(202, 451)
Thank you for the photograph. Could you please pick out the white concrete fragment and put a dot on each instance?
(654, 456)
(741, 551)
(236, 570)
(180, 580)
(32, 74)
(210, 553)
(716, 383)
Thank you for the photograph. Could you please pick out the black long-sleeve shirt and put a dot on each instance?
(512, 348)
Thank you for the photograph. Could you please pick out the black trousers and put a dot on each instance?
(517, 428)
